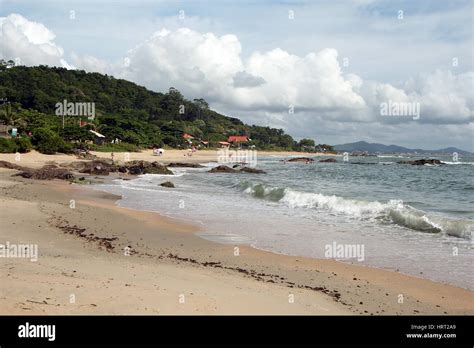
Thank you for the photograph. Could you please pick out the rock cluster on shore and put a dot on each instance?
(95, 167)
(8, 165)
(104, 167)
(144, 167)
(47, 172)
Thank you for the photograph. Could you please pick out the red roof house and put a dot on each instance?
(238, 139)
(187, 136)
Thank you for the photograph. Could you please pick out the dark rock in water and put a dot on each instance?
(239, 165)
(422, 162)
(328, 160)
(167, 184)
(185, 165)
(253, 170)
(122, 169)
(223, 169)
(301, 159)
(46, 173)
(157, 168)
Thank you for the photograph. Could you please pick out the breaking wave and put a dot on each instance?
(393, 211)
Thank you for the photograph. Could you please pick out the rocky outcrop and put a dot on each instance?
(225, 169)
(252, 170)
(46, 173)
(96, 167)
(105, 167)
(328, 160)
(422, 162)
(144, 167)
(8, 165)
(301, 159)
(167, 184)
(238, 165)
(185, 165)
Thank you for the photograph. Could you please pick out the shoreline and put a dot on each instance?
(35, 159)
(166, 243)
(196, 230)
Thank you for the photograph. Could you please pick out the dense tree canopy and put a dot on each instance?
(123, 110)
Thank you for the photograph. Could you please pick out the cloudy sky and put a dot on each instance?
(318, 69)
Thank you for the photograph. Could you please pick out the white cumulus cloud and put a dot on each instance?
(29, 42)
(264, 83)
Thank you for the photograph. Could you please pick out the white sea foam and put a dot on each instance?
(458, 162)
(393, 211)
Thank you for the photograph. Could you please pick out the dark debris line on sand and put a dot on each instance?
(274, 278)
(107, 244)
(102, 242)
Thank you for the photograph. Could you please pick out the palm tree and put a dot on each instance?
(11, 116)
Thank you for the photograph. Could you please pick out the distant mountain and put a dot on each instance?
(374, 147)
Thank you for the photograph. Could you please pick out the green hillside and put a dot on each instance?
(140, 118)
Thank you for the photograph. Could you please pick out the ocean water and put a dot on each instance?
(418, 220)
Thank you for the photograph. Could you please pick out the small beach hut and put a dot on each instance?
(98, 138)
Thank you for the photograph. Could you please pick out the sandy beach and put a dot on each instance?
(97, 258)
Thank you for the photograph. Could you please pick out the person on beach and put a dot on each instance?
(112, 156)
